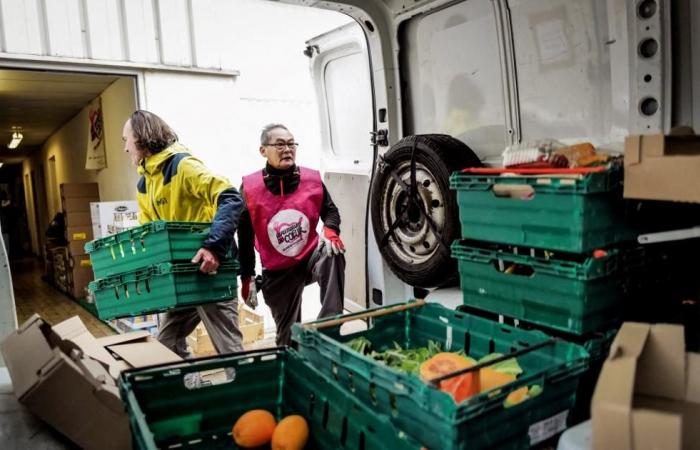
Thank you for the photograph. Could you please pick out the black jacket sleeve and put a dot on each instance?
(228, 213)
(329, 212)
(246, 241)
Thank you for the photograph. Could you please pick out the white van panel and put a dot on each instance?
(454, 76)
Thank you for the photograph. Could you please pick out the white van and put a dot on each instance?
(449, 84)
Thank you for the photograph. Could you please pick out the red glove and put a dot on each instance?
(331, 243)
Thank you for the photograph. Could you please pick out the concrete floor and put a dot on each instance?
(33, 295)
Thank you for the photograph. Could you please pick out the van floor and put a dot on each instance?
(34, 295)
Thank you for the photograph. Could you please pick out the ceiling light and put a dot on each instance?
(16, 139)
(1, 164)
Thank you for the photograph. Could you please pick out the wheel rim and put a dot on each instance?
(414, 241)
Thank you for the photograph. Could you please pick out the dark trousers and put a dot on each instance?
(282, 290)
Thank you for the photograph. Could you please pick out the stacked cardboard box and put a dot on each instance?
(76, 199)
(113, 217)
(251, 326)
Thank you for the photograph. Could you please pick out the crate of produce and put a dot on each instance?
(161, 287)
(575, 294)
(392, 366)
(576, 211)
(165, 413)
(152, 243)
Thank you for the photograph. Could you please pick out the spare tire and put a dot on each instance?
(415, 219)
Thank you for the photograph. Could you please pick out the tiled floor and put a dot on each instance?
(33, 295)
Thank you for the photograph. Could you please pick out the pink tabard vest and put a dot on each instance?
(284, 225)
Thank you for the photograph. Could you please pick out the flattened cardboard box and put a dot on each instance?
(659, 167)
(648, 393)
(78, 219)
(66, 377)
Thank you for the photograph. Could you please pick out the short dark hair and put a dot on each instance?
(265, 135)
(151, 132)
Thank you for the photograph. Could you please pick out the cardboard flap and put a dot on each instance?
(657, 430)
(653, 145)
(661, 367)
(692, 393)
(122, 338)
(26, 352)
(74, 331)
(109, 396)
(145, 353)
(633, 150)
(94, 370)
(629, 341)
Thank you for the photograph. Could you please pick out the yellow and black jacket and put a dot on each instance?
(174, 185)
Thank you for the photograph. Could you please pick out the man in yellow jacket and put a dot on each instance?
(174, 185)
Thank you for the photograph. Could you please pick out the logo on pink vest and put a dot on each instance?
(288, 231)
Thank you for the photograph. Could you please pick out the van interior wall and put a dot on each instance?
(68, 145)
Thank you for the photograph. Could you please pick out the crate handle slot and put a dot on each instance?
(513, 268)
(196, 380)
(513, 191)
(364, 315)
(435, 382)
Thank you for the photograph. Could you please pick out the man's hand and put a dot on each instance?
(210, 262)
(249, 293)
(331, 243)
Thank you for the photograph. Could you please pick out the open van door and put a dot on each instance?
(341, 74)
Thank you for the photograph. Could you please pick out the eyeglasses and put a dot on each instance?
(280, 146)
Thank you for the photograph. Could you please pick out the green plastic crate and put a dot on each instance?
(152, 243)
(575, 215)
(430, 415)
(161, 287)
(569, 296)
(165, 414)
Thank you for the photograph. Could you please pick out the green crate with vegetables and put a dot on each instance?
(152, 243)
(167, 411)
(576, 210)
(449, 379)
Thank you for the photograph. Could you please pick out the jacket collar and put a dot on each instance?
(153, 164)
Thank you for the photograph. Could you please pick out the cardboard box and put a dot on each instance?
(78, 219)
(71, 190)
(79, 278)
(77, 204)
(659, 167)
(110, 218)
(77, 248)
(251, 326)
(81, 234)
(648, 393)
(67, 377)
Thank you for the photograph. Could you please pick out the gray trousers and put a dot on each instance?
(282, 290)
(220, 320)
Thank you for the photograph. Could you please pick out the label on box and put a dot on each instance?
(79, 236)
(85, 263)
(547, 428)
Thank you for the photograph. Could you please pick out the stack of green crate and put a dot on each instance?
(545, 249)
(542, 248)
(147, 269)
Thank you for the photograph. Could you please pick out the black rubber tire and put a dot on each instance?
(440, 155)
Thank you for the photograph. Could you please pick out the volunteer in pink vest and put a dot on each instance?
(283, 204)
